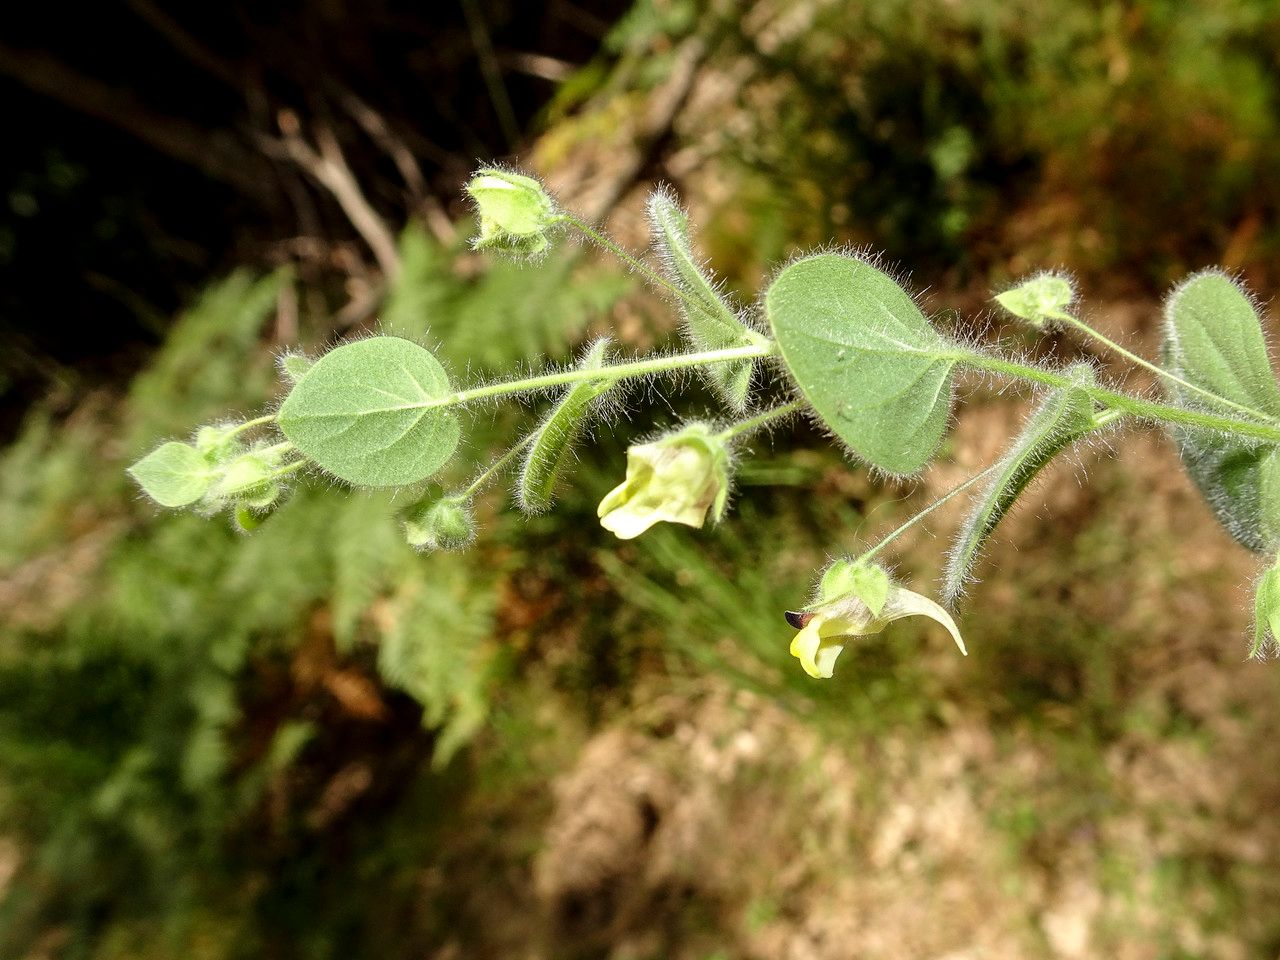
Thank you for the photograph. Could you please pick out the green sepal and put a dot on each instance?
(247, 519)
(369, 413)
(516, 215)
(174, 474)
(1061, 418)
(710, 323)
(864, 357)
(219, 444)
(557, 434)
(867, 581)
(1213, 339)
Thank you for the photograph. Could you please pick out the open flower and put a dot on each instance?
(827, 625)
(679, 478)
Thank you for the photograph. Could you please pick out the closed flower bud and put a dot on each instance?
(249, 477)
(855, 599)
(440, 523)
(516, 214)
(218, 444)
(680, 478)
(1039, 300)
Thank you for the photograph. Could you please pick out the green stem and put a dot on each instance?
(619, 371)
(1101, 420)
(495, 468)
(288, 468)
(250, 424)
(284, 471)
(747, 426)
(1089, 331)
(904, 527)
(621, 252)
(653, 276)
(1123, 402)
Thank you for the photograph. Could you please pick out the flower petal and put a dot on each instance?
(805, 646)
(907, 603)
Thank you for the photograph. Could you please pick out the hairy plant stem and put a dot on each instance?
(250, 424)
(495, 468)
(1101, 420)
(646, 271)
(1089, 331)
(622, 253)
(283, 471)
(1123, 402)
(916, 518)
(756, 422)
(617, 371)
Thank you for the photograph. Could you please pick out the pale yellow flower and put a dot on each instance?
(680, 478)
(825, 629)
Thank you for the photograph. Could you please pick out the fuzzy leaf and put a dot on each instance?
(1266, 613)
(1213, 339)
(173, 475)
(558, 433)
(864, 357)
(709, 322)
(1061, 418)
(366, 413)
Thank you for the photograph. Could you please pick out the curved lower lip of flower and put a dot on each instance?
(798, 619)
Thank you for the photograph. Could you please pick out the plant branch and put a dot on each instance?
(1101, 420)
(619, 371)
(1123, 402)
(756, 422)
(1089, 331)
(496, 467)
(635, 263)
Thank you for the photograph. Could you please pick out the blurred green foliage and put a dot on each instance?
(165, 675)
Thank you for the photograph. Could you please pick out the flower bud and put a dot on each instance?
(516, 214)
(855, 599)
(218, 443)
(250, 477)
(680, 478)
(440, 523)
(1040, 299)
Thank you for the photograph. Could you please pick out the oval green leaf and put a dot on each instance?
(173, 475)
(865, 358)
(1213, 339)
(371, 413)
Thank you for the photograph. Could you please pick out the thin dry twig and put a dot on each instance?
(326, 163)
